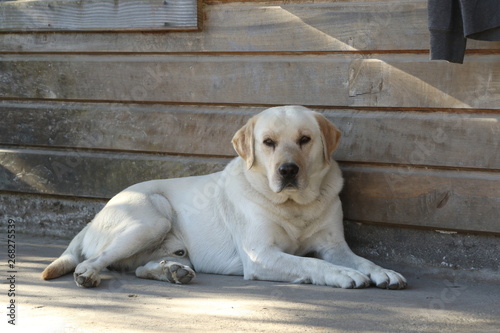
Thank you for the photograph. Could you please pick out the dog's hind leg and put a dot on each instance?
(67, 262)
(125, 244)
(87, 272)
(109, 241)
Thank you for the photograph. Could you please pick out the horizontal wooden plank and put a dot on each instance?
(208, 79)
(97, 15)
(338, 80)
(441, 139)
(145, 128)
(408, 138)
(460, 200)
(91, 174)
(401, 81)
(250, 27)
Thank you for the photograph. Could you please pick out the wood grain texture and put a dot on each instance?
(466, 140)
(186, 130)
(423, 197)
(406, 80)
(250, 27)
(98, 15)
(91, 174)
(329, 80)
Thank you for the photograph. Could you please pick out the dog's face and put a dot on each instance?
(286, 148)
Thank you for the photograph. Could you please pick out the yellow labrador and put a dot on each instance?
(275, 203)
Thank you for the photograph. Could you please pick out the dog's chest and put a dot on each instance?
(299, 223)
(300, 215)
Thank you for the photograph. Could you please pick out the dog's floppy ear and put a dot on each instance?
(330, 136)
(243, 142)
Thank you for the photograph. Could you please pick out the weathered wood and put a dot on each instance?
(470, 140)
(459, 200)
(91, 174)
(205, 79)
(405, 80)
(187, 130)
(340, 80)
(402, 196)
(408, 138)
(250, 27)
(98, 15)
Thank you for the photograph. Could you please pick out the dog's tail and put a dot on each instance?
(68, 261)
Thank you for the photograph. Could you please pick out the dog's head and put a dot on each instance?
(287, 148)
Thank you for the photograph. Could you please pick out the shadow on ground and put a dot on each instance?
(214, 303)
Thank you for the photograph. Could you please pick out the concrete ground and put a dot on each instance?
(436, 301)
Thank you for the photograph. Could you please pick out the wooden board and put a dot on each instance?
(91, 174)
(466, 140)
(408, 196)
(98, 15)
(249, 27)
(405, 80)
(327, 80)
(186, 130)
(460, 140)
(423, 197)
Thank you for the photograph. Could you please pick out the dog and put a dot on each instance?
(273, 213)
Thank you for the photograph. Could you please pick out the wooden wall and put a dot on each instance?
(85, 114)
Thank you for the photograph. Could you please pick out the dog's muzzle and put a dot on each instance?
(288, 173)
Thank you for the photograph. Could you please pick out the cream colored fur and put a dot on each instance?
(271, 206)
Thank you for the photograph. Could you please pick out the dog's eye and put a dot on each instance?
(269, 143)
(180, 253)
(303, 140)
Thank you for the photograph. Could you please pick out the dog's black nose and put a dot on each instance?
(288, 170)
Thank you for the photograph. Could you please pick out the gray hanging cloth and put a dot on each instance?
(451, 22)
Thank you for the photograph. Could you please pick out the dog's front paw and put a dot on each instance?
(166, 271)
(348, 279)
(387, 279)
